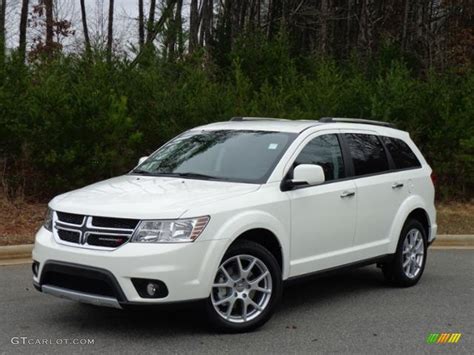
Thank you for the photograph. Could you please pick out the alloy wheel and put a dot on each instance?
(242, 288)
(413, 253)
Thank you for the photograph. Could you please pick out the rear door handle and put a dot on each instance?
(397, 185)
(347, 194)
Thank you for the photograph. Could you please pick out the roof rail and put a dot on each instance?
(239, 118)
(356, 120)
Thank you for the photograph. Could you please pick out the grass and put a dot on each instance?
(19, 220)
(455, 218)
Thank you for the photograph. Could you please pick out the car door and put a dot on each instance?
(380, 192)
(322, 217)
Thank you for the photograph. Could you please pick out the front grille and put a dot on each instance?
(69, 236)
(70, 218)
(92, 231)
(121, 223)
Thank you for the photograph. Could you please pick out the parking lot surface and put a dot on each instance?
(349, 312)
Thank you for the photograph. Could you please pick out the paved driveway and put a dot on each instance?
(351, 312)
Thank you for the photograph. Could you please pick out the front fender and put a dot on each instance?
(240, 223)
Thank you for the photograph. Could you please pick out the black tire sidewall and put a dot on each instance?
(254, 249)
(395, 271)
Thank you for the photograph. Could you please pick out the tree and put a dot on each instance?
(405, 24)
(175, 31)
(206, 20)
(110, 30)
(151, 22)
(3, 7)
(193, 25)
(323, 38)
(44, 22)
(155, 29)
(23, 26)
(179, 26)
(209, 21)
(141, 24)
(85, 28)
(48, 4)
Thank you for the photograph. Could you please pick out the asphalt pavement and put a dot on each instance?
(349, 312)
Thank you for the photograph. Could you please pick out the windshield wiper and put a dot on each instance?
(197, 176)
(141, 172)
(185, 174)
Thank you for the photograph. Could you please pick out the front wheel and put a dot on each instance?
(246, 288)
(409, 261)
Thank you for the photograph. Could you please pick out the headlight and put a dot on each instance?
(170, 231)
(48, 220)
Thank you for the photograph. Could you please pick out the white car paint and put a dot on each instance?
(315, 227)
(146, 197)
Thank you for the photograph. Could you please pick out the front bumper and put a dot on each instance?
(433, 233)
(187, 269)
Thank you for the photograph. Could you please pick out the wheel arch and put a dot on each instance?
(265, 238)
(413, 207)
(421, 216)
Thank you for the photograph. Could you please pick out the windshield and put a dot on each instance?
(226, 155)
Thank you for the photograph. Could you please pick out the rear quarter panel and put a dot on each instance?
(421, 194)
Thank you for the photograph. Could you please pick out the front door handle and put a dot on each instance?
(347, 194)
(397, 185)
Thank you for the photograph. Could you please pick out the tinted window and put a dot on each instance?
(367, 152)
(230, 155)
(326, 152)
(402, 155)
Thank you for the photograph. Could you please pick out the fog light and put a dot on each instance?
(150, 288)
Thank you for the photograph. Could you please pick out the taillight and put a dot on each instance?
(433, 178)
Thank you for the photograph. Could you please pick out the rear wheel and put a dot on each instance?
(409, 262)
(246, 288)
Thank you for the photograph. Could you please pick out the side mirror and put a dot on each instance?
(308, 174)
(141, 160)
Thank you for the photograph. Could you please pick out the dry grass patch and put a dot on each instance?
(19, 221)
(455, 218)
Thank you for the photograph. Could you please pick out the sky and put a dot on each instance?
(128, 5)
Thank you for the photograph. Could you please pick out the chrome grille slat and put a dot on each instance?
(103, 237)
(67, 225)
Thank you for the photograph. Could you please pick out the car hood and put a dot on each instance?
(146, 197)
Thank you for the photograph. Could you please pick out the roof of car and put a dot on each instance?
(262, 124)
(294, 126)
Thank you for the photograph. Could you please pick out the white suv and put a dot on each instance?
(226, 212)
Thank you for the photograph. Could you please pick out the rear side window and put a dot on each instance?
(402, 155)
(326, 152)
(367, 152)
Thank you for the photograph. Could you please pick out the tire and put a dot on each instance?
(408, 264)
(247, 299)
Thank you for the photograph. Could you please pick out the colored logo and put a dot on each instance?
(443, 338)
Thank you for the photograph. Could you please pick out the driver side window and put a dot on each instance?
(326, 152)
